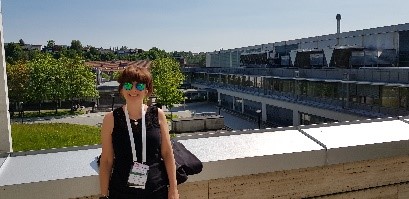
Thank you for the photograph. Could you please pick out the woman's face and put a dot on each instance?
(134, 91)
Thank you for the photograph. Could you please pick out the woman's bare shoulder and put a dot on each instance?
(109, 116)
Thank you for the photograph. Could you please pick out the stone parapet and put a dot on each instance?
(379, 178)
(360, 159)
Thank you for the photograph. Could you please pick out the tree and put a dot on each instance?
(14, 53)
(18, 76)
(32, 54)
(109, 56)
(50, 44)
(21, 42)
(59, 79)
(39, 84)
(93, 54)
(192, 59)
(81, 79)
(166, 79)
(153, 54)
(76, 46)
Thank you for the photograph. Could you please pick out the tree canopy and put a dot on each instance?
(14, 52)
(58, 72)
(47, 78)
(166, 80)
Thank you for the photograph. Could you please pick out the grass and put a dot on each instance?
(39, 136)
(52, 135)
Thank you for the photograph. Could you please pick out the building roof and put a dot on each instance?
(110, 66)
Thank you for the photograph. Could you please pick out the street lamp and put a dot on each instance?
(259, 118)
(113, 101)
(219, 105)
(184, 102)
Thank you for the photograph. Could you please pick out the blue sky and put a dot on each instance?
(190, 25)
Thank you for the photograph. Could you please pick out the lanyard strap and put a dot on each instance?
(128, 123)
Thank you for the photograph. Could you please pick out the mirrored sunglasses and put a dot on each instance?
(139, 86)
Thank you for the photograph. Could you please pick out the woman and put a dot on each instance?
(118, 158)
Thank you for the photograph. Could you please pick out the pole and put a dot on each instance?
(219, 105)
(21, 112)
(259, 119)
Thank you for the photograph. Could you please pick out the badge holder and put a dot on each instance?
(139, 171)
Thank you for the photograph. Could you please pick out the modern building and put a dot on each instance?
(337, 77)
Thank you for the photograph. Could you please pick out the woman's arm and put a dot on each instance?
(107, 155)
(167, 155)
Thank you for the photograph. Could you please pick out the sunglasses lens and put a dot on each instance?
(140, 86)
(127, 86)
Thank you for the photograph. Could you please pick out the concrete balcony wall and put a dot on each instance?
(379, 178)
(360, 159)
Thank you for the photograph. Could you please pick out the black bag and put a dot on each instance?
(186, 162)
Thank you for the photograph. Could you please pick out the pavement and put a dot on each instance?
(92, 119)
(231, 120)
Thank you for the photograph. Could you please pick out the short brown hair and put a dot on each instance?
(138, 72)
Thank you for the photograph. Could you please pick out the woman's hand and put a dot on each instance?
(173, 193)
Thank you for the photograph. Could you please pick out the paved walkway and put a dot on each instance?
(92, 119)
(95, 119)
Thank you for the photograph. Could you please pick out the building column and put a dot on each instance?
(263, 112)
(296, 118)
(347, 96)
(234, 103)
(231, 60)
(242, 105)
(5, 131)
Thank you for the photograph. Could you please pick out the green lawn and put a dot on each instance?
(52, 135)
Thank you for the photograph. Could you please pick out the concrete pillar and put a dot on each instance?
(328, 54)
(231, 60)
(233, 106)
(347, 96)
(263, 112)
(293, 55)
(242, 105)
(296, 118)
(5, 130)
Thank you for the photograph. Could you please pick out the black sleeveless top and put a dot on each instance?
(122, 146)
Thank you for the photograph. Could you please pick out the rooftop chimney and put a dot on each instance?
(338, 27)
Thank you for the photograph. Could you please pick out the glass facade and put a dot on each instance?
(359, 95)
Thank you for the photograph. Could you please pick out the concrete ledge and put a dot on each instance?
(260, 164)
(62, 188)
(363, 179)
(266, 163)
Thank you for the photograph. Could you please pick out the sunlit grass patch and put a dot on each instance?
(52, 135)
